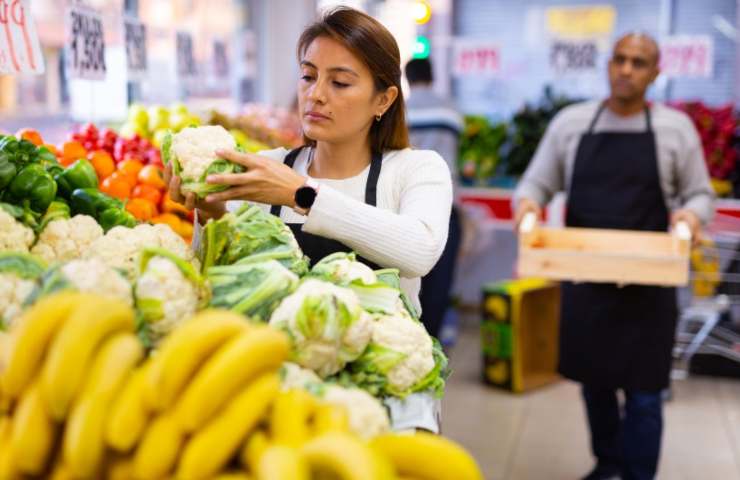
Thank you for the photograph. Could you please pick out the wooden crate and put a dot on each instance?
(520, 334)
(604, 256)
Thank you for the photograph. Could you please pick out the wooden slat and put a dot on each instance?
(609, 256)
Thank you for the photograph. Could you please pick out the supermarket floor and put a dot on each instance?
(543, 435)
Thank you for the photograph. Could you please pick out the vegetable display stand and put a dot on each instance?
(519, 333)
(605, 256)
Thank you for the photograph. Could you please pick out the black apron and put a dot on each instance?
(615, 337)
(317, 247)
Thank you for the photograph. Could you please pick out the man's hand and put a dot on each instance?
(689, 218)
(524, 207)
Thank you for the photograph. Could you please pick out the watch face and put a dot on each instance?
(305, 196)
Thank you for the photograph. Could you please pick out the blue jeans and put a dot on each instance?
(625, 442)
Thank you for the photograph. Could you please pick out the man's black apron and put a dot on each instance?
(617, 337)
(317, 247)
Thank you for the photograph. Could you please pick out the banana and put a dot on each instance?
(232, 476)
(258, 350)
(83, 445)
(330, 418)
(8, 469)
(60, 472)
(120, 468)
(129, 414)
(30, 339)
(71, 351)
(33, 435)
(211, 448)
(347, 458)
(282, 463)
(185, 350)
(427, 456)
(159, 449)
(253, 449)
(289, 417)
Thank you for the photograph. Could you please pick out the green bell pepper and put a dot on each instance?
(58, 209)
(33, 183)
(113, 217)
(20, 152)
(8, 170)
(81, 174)
(92, 202)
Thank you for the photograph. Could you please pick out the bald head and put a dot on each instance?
(633, 67)
(642, 41)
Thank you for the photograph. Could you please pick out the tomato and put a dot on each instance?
(152, 175)
(116, 186)
(142, 209)
(147, 192)
(31, 135)
(71, 152)
(102, 162)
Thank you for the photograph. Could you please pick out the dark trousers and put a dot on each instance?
(436, 285)
(625, 442)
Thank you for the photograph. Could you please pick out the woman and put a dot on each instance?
(355, 185)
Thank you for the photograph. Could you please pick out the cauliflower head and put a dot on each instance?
(367, 416)
(84, 275)
(67, 239)
(326, 324)
(168, 291)
(13, 292)
(295, 376)
(344, 268)
(121, 246)
(192, 152)
(14, 236)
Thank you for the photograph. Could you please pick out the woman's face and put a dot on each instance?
(336, 94)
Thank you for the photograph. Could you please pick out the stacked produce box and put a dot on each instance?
(127, 354)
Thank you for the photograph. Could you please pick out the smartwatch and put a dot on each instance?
(305, 196)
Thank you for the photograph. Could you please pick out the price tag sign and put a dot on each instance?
(185, 57)
(136, 53)
(687, 56)
(568, 56)
(85, 50)
(20, 51)
(476, 58)
(220, 59)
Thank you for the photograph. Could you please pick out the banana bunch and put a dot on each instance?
(79, 400)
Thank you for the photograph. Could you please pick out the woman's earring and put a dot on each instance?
(377, 117)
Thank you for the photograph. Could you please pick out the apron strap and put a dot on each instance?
(648, 119)
(596, 118)
(289, 161)
(371, 187)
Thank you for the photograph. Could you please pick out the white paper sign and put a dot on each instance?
(479, 58)
(136, 50)
(185, 57)
(85, 50)
(20, 51)
(686, 56)
(573, 56)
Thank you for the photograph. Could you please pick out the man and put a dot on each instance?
(625, 165)
(434, 124)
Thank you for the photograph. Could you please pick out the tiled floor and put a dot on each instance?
(543, 435)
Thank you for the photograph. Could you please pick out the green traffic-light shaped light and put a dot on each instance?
(422, 47)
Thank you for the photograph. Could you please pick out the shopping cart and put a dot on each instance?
(709, 326)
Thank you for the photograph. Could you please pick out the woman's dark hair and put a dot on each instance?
(372, 43)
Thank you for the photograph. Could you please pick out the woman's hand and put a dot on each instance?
(265, 181)
(206, 210)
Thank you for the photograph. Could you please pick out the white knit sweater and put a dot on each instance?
(407, 230)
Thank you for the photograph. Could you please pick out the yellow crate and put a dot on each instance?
(519, 333)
